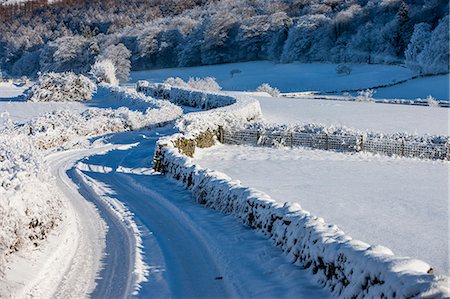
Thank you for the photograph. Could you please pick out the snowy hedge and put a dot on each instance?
(61, 87)
(58, 127)
(347, 267)
(29, 201)
(229, 110)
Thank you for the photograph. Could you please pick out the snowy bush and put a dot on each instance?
(432, 101)
(205, 84)
(343, 69)
(265, 87)
(365, 95)
(30, 206)
(104, 71)
(61, 87)
(176, 82)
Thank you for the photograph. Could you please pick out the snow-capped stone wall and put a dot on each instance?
(347, 267)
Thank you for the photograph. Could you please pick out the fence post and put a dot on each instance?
(360, 143)
(257, 136)
(292, 139)
(220, 134)
(403, 148)
(448, 151)
(327, 145)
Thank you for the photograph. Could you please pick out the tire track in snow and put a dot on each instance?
(207, 254)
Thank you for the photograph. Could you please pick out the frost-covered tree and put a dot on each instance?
(104, 71)
(421, 36)
(363, 44)
(69, 53)
(402, 29)
(119, 55)
(434, 59)
(300, 43)
(190, 32)
(219, 33)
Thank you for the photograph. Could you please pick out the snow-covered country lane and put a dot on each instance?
(189, 251)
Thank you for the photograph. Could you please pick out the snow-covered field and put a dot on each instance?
(359, 115)
(319, 77)
(286, 77)
(437, 86)
(380, 200)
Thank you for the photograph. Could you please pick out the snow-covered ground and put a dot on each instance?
(359, 115)
(436, 86)
(380, 200)
(286, 77)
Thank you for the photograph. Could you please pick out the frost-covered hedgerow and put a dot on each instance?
(58, 127)
(229, 110)
(30, 205)
(61, 87)
(265, 87)
(206, 84)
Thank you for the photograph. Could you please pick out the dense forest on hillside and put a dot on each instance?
(73, 34)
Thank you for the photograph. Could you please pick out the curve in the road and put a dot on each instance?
(206, 254)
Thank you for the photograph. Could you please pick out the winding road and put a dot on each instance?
(188, 251)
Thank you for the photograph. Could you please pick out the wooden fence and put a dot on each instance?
(341, 143)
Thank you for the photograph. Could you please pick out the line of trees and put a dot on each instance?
(71, 35)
